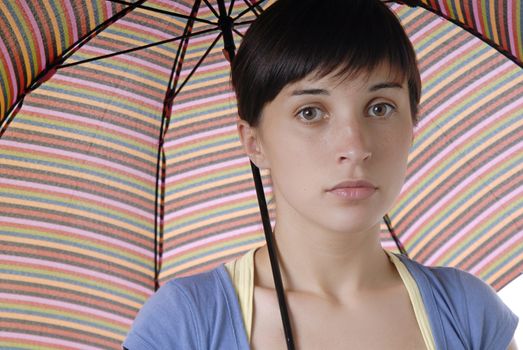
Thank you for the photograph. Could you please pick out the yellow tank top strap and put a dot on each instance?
(241, 272)
(416, 301)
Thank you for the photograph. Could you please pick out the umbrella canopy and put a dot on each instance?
(121, 170)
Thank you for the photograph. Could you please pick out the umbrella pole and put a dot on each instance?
(226, 25)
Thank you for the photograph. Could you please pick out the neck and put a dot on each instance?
(328, 263)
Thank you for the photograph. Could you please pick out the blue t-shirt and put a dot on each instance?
(202, 312)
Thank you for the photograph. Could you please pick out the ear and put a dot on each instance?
(250, 140)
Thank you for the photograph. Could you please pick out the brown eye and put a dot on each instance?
(311, 114)
(381, 110)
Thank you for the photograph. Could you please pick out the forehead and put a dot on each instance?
(369, 79)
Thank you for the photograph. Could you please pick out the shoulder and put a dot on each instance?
(463, 306)
(186, 313)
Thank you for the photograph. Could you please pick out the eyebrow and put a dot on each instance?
(310, 92)
(391, 85)
(388, 85)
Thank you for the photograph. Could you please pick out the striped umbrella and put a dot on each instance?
(120, 167)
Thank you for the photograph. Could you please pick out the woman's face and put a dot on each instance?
(336, 149)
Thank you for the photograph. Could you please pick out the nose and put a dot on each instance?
(352, 146)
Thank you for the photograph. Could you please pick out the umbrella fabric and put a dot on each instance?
(83, 218)
(35, 34)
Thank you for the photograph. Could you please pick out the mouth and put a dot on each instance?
(353, 190)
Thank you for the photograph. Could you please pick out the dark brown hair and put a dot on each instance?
(294, 38)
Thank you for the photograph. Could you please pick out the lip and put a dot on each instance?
(353, 189)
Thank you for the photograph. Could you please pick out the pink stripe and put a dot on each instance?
(76, 270)
(463, 139)
(77, 156)
(477, 21)
(207, 38)
(102, 201)
(170, 4)
(443, 202)
(208, 67)
(465, 230)
(426, 28)
(112, 90)
(152, 142)
(518, 238)
(108, 10)
(511, 27)
(159, 70)
(442, 8)
(204, 101)
(143, 252)
(208, 204)
(46, 340)
(72, 20)
(162, 35)
(462, 93)
(36, 33)
(211, 239)
(66, 306)
(180, 176)
(445, 61)
(202, 135)
(12, 75)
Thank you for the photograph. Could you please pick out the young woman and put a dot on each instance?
(327, 95)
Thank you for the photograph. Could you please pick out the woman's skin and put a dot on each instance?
(337, 150)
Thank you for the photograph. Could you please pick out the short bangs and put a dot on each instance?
(294, 38)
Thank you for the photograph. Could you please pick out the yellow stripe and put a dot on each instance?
(139, 79)
(457, 212)
(73, 249)
(87, 215)
(440, 42)
(65, 199)
(90, 16)
(475, 242)
(88, 139)
(50, 321)
(171, 234)
(233, 206)
(506, 267)
(452, 122)
(81, 175)
(449, 80)
(194, 86)
(414, 13)
(134, 43)
(50, 16)
(493, 21)
(109, 107)
(176, 269)
(173, 21)
(26, 61)
(199, 118)
(28, 344)
(456, 164)
(205, 151)
(459, 14)
(5, 102)
(70, 287)
(51, 311)
(35, 230)
(207, 186)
